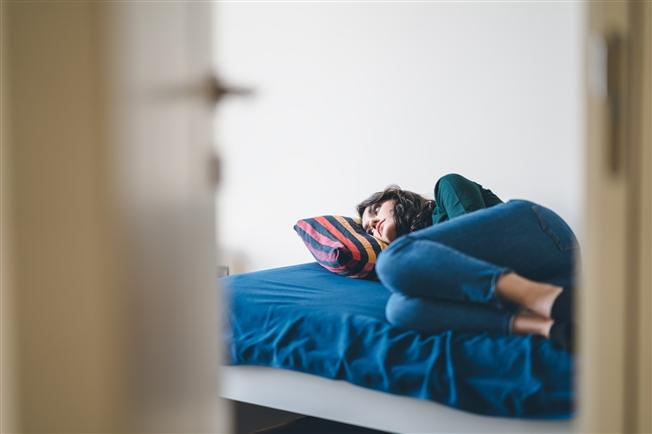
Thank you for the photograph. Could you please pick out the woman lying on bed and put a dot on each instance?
(469, 262)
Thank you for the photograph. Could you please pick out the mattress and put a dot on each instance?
(306, 319)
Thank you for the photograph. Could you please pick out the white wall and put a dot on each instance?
(352, 97)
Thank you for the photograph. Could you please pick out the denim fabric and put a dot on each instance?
(443, 277)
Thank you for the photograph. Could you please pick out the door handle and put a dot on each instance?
(210, 89)
(218, 90)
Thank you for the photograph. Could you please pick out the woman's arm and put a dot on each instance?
(456, 195)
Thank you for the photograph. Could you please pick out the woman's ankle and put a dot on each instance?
(529, 323)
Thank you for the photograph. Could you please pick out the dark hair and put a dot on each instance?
(411, 212)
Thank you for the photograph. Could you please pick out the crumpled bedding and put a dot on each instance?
(307, 319)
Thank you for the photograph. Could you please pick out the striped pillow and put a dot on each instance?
(340, 244)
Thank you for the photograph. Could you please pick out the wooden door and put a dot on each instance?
(614, 361)
(108, 219)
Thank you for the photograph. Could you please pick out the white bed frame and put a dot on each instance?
(340, 401)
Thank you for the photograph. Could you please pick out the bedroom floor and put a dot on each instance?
(313, 425)
(254, 419)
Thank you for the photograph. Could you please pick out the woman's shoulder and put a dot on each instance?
(452, 180)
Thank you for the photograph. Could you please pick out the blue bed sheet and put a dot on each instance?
(307, 319)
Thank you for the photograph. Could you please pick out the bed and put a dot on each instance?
(305, 340)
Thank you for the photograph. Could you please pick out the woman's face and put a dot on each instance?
(378, 220)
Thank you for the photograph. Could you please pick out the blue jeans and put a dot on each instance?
(444, 277)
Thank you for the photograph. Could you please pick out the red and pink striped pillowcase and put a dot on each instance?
(340, 244)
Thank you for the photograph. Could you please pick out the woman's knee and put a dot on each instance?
(391, 268)
(397, 310)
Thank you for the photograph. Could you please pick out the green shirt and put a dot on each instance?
(456, 195)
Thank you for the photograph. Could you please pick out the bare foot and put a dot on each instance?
(541, 297)
(528, 323)
(535, 296)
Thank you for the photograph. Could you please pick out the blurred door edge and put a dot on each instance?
(615, 296)
(109, 310)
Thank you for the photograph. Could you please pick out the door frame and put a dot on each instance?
(615, 304)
